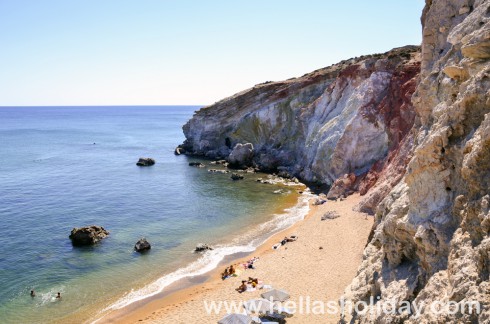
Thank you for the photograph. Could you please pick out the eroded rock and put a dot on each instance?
(142, 245)
(145, 162)
(242, 155)
(88, 235)
(236, 176)
(202, 247)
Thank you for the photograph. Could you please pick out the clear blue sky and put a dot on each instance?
(130, 52)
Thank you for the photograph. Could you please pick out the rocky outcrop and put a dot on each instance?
(351, 117)
(87, 235)
(197, 164)
(236, 176)
(142, 245)
(432, 243)
(179, 150)
(343, 187)
(145, 162)
(202, 247)
(241, 155)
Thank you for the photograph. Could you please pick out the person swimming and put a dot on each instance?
(33, 294)
(58, 296)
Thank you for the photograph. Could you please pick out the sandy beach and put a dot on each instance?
(315, 270)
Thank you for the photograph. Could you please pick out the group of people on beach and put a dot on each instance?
(249, 285)
(231, 271)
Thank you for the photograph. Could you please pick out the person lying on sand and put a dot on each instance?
(253, 281)
(288, 239)
(249, 264)
(242, 287)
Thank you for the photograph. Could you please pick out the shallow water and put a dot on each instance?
(63, 167)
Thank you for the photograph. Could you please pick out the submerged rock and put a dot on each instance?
(142, 245)
(145, 162)
(236, 176)
(201, 247)
(88, 235)
(218, 171)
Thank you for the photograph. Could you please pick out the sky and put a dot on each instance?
(183, 52)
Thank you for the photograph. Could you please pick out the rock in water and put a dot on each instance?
(201, 247)
(242, 155)
(179, 150)
(142, 245)
(145, 162)
(88, 235)
(236, 176)
(196, 164)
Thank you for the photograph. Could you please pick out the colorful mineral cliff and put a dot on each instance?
(410, 131)
(431, 243)
(352, 117)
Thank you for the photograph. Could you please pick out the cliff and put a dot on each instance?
(431, 242)
(416, 145)
(352, 118)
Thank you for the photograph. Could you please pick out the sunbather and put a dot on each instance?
(225, 274)
(242, 287)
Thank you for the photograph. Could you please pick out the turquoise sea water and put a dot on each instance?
(65, 167)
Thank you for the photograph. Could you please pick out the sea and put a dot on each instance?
(66, 167)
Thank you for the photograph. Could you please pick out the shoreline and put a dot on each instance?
(294, 208)
(209, 286)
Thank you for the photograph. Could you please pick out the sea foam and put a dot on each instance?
(211, 259)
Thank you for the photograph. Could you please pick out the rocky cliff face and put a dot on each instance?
(432, 239)
(352, 117)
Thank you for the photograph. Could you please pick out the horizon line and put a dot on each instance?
(166, 105)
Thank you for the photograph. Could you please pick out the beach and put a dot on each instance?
(314, 270)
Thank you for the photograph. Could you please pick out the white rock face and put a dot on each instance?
(330, 122)
(432, 240)
(241, 155)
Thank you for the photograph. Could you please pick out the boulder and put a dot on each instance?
(142, 245)
(202, 247)
(145, 162)
(343, 187)
(179, 150)
(236, 176)
(196, 164)
(88, 235)
(284, 174)
(242, 155)
(319, 201)
(330, 215)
